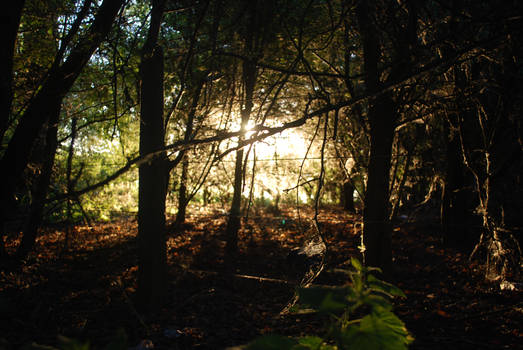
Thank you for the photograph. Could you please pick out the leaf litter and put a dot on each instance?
(86, 292)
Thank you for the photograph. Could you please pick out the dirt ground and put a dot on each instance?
(87, 291)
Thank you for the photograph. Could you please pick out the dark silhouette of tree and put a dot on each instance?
(46, 103)
(153, 174)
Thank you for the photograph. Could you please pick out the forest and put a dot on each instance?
(248, 174)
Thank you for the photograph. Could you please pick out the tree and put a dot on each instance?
(9, 23)
(47, 101)
(254, 37)
(153, 173)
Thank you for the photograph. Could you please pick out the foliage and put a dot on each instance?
(367, 295)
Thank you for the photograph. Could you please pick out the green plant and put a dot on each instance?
(360, 316)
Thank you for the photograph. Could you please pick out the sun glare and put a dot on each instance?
(277, 159)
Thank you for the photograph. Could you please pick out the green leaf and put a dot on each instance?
(272, 342)
(356, 264)
(379, 285)
(377, 331)
(377, 302)
(309, 343)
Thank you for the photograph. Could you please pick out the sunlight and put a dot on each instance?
(289, 143)
(277, 159)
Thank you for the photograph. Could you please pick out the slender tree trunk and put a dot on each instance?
(70, 182)
(348, 196)
(401, 185)
(153, 174)
(183, 201)
(453, 204)
(182, 193)
(234, 222)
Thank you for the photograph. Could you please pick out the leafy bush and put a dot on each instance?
(360, 315)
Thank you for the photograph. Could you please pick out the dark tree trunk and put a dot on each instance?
(381, 115)
(70, 185)
(454, 212)
(377, 229)
(348, 196)
(234, 222)
(182, 193)
(153, 178)
(40, 192)
(9, 23)
(153, 174)
(183, 199)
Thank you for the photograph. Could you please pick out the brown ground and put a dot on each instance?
(87, 291)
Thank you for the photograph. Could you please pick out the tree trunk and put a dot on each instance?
(234, 222)
(377, 229)
(381, 115)
(9, 23)
(348, 196)
(182, 193)
(70, 185)
(39, 195)
(152, 188)
(453, 204)
(183, 201)
(153, 173)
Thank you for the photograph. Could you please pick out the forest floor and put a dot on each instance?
(86, 291)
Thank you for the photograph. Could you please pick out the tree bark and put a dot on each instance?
(183, 201)
(381, 116)
(39, 195)
(348, 196)
(251, 48)
(153, 178)
(453, 203)
(153, 174)
(182, 193)
(377, 229)
(9, 23)
(234, 222)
